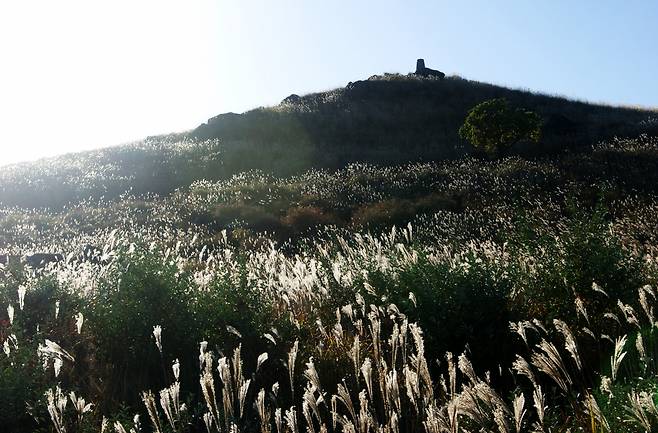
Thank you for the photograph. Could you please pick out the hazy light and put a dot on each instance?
(82, 74)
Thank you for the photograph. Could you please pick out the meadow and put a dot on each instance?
(509, 295)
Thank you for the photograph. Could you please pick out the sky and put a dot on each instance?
(82, 74)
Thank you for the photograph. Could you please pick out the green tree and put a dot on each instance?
(493, 126)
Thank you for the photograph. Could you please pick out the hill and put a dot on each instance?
(223, 283)
(396, 118)
(389, 119)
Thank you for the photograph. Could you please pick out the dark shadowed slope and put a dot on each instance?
(389, 119)
(402, 118)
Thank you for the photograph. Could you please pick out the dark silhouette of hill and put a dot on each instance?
(388, 120)
(402, 118)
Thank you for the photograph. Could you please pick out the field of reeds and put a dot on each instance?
(462, 296)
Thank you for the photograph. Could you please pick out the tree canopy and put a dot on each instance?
(494, 126)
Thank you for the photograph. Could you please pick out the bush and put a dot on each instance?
(400, 211)
(382, 213)
(228, 306)
(141, 291)
(459, 307)
(246, 216)
(493, 126)
(303, 218)
(582, 253)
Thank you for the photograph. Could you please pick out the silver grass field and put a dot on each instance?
(169, 326)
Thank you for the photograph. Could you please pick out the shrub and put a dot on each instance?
(583, 253)
(382, 213)
(400, 211)
(228, 306)
(246, 216)
(303, 218)
(22, 381)
(460, 307)
(493, 126)
(141, 291)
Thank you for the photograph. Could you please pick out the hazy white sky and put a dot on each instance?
(80, 74)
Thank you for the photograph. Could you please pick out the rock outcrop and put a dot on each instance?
(292, 99)
(37, 260)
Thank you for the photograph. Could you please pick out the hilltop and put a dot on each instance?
(395, 118)
(388, 119)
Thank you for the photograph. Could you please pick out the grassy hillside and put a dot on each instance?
(312, 271)
(267, 276)
(386, 120)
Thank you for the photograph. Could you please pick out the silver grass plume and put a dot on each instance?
(606, 386)
(519, 411)
(589, 332)
(538, 402)
(208, 389)
(311, 374)
(366, 370)
(278, 420)
(393, 343)
(237, 366)
(291, 420)
(580, 309)
(157, 334)
(203, 346)
(118, 427)
(263, 413)
(306, 411)
(618, 356)
(166, 404)
(521, 367)
(539, 325)
(149, 402)
(207, 421)
(629, 314)
(466, 368)
(501, 420)
(549, 361)
(244, 389)
(598, 289)
(411, 386)
(393, 390)
(56, 405)
(79, 404)
(637, 413)
(365, 418)
(452, 374)
(355, 354)
(569, 342)
(592, 408)
(639, 345)
(226, 376)
(375, 331)
(261, 360)
(612, 316)
(519, 328)
(646, 307)
(292, 358)
(10, 313)
(343, 395)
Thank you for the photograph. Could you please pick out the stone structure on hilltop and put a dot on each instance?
(422, 71)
